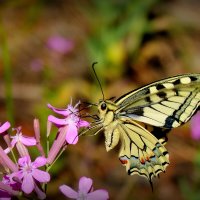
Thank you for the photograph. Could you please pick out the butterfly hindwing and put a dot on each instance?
(167, 103)
(141, 152)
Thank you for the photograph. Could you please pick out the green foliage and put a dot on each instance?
(7, 74)
(116, 33)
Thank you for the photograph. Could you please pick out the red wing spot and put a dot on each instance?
(142, 160)
(123, 161)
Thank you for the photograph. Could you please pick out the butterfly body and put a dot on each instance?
(140, 119)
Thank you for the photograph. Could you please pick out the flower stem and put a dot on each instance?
(44, 186)
(47, 146)
(63, 149)
(13, 155)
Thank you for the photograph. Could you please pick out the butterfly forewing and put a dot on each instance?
(167, 103)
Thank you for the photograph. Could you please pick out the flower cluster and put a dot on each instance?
(24, 177)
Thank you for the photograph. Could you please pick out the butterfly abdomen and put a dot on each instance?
(112, 135)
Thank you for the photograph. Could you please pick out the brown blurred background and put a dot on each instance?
(47, 48)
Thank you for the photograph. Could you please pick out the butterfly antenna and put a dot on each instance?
(97, 79)
(89, 104)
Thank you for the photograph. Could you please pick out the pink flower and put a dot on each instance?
(68, 129)
(21, 142)
(71, 120)
(195, 126)
(60, 44)
(85, 191)
(19, 138)
(30, 175)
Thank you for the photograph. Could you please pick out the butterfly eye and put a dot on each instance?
(103, 106)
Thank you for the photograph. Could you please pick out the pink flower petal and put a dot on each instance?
(22, 161)
(68, 192)
(28, 141)
(28, 184)
(41, 176)
(13, 142)
(18, 174)
(63, 112)
(98, 195)
(72, 134)
(40, 161)
(4, 127)
(85, 184)
(57, 121)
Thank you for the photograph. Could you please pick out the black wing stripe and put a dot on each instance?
(178, 113)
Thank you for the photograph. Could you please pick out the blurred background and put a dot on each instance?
(47, 48)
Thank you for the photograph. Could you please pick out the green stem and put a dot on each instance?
(63, 149)
(44, 186)
(47, 146)
(13, 155)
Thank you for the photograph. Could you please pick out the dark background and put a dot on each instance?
(134, 42)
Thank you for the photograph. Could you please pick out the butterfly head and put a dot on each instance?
(105, 106)
(102, 106)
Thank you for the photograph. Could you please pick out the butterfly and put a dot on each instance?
(140, 120)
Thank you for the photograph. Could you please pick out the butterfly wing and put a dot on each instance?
(167, 103)
(159, 133)
(141, 152)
